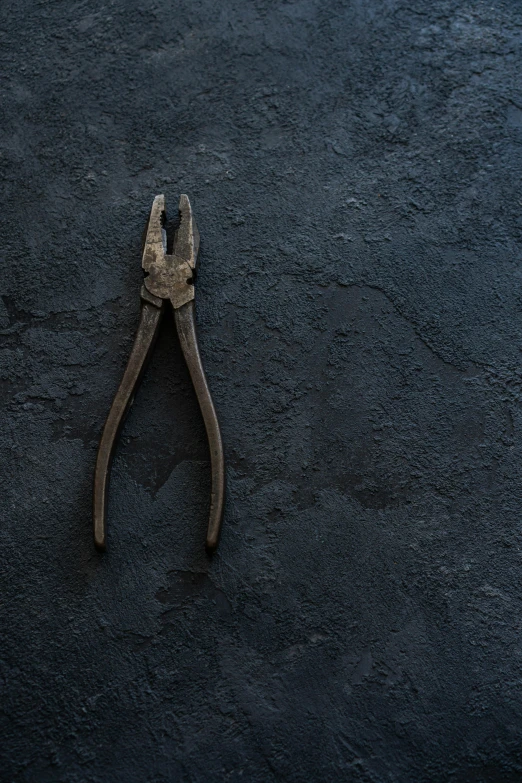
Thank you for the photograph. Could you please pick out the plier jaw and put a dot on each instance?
(167, 278)
(171, 276)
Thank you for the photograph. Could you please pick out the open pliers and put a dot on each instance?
(167, 278)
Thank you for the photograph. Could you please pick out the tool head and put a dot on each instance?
(186, 237)
(170, 276)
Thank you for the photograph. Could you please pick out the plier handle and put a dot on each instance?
(168, 278)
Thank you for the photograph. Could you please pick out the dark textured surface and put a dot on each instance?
(355, 172)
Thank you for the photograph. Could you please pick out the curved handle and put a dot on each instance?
(141, 350)
(186, 327)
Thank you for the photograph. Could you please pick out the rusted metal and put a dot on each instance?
(167, 278)
(185, 323)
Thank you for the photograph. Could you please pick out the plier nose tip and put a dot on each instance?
(155, 237)
(186, 241)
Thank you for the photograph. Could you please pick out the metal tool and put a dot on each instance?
(167, 278)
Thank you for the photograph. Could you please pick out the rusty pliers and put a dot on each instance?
(167, 278)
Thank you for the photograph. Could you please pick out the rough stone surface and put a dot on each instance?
(355, 169)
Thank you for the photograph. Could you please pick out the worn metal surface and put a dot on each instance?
(141, 350)
(186, 326)
(171, 276)
(355, 169)
(168, 277)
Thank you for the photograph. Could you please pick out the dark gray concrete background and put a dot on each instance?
(355, 169)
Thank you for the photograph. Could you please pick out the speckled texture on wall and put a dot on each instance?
(355, 169)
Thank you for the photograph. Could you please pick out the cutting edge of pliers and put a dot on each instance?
(168, 278)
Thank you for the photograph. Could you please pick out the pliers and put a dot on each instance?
(168, 278)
